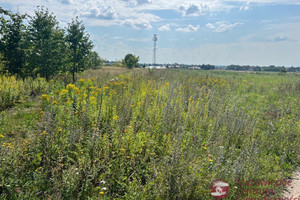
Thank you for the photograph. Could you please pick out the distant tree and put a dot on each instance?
(47, 41)
(207, 67)
(94, 60)
(130, 61)
(272, 68)
(79, 45)
(283, 70)
(12, 41)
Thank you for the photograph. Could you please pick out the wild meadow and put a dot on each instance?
(146, 134)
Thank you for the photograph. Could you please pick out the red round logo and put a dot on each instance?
(219, 189)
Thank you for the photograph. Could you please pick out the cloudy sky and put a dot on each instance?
(221, 32)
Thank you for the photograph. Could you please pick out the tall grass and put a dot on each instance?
(13, 90)
(158, 134)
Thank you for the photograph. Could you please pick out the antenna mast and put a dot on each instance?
(154, 50)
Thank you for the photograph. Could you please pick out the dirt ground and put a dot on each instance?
(293, 191)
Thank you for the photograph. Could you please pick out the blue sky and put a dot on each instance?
(220, 32)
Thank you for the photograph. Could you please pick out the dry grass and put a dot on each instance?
(108, 72)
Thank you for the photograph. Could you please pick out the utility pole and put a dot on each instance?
(154, 50)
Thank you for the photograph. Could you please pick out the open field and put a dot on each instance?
(147, 134)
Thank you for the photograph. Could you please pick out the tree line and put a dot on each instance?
(37, 46)
(271, 68)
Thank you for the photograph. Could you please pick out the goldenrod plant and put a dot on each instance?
(161, 135)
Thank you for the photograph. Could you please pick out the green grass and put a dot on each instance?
(150, 134)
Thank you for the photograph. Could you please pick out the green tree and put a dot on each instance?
(79, 46)
(47, 42)
(130, 61)
(12, 41)
(94, 60)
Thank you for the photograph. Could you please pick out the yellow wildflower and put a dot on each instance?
(54, 102)
(92, 88)
(113, 92)
(81, 80)
(128, 157)
(8, 145)
(205, 147)
(69, 101)
(122, 149)
(167, 84)
(105, 88)
(77, 91)
(92, 98)
(1, 136)
(45, 97)
(44, 133)
(116, 117)
(71, 86)
(64, 91)
(101, 193)
(210, 160)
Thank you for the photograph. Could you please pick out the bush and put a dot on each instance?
(130, 61)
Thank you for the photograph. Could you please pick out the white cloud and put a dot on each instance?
(279, 38)
(189, 28)
(138, 39)
(210, 26)
(102, 12)
(223, 26)
(138, 24)
(194, 9)
(137, 2)
(140, 2)
(118, 38)
(166, 27)
(246, 6)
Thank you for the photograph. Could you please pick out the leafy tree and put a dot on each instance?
(283, 70)
(12, 41)
(94, 61)
(79, 45)
(130, 61)
(46, 41)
